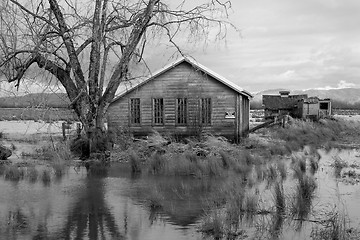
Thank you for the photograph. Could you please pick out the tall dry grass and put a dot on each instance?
(315, 134)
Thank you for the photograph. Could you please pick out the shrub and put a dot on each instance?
(80, 147)
(122, 137)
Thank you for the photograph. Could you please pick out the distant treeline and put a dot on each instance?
(334, 103)
(36, 100)
(37, 114)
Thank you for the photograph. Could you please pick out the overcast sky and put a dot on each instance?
(290, 44)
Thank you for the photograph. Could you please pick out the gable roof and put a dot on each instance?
(194, 64)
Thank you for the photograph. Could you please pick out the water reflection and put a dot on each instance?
(90, 216)
(112, 206)
(119, 205)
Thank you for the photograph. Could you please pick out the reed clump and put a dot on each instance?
(334, 225)
(52, 152)
(304, 194)
(279, 198)
(59, 168)
(13, 172)
(338, 165)
(46, 176)
(32, 174)
(313, 164)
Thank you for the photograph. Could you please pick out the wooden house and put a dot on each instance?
(183, 99)
(297, 106)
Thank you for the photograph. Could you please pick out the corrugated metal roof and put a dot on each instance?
(195, 64)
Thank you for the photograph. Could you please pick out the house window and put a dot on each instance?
(158, 107)
(181, 111)
(135, 111)
(205, 111)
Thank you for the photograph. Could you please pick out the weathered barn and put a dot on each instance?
(283, 104)
(297, 106)
(183, 99)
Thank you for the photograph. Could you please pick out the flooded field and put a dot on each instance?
(80, 206)
(119, 205)
(307, 194)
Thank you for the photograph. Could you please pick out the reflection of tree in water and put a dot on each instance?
(90, 215)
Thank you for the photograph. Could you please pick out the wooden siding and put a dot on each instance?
(310, 109)
(184, 81)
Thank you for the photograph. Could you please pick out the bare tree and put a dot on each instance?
(77, 40)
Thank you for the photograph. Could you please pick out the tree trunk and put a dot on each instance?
(94, 139)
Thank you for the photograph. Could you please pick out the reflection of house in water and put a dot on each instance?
(297, 106)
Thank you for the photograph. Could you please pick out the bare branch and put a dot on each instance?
(64, 31)
(121, 70)
(34, 15)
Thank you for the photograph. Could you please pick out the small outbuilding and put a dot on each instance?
(315, 108)
(183, 99)
(282, 104)
(297, 106)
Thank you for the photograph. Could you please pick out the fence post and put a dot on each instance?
(78, 129)
(63, 130)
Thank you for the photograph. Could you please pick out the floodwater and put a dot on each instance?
(118, 205)
(114, 206)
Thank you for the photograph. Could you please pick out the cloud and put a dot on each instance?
(341, 84)
(289, 74)
(344, 84)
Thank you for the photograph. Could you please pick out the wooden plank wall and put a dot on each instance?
(182, 81)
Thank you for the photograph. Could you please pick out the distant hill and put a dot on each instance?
(54, 100)
(341, 98)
